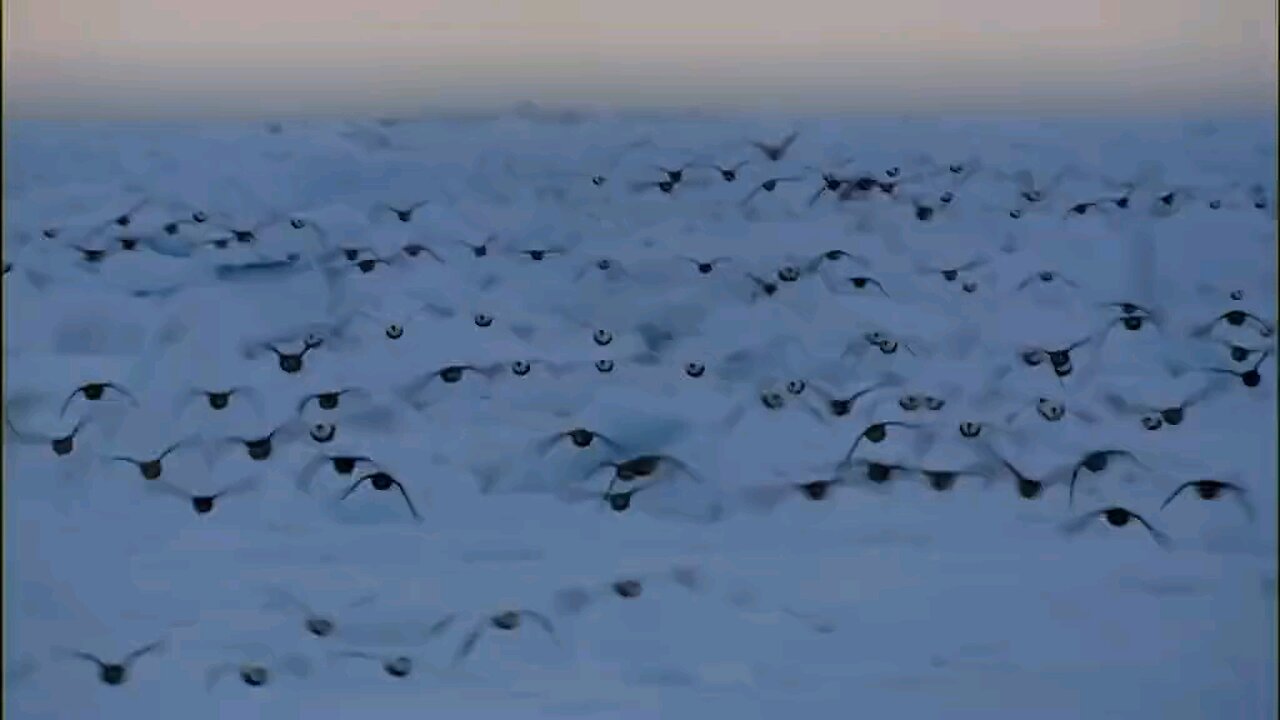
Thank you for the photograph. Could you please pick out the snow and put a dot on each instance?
(884, 599)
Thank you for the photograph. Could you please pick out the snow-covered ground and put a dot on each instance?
(541, 252)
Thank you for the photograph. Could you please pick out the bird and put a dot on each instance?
(220, 399)
(769, 185)
(96, 392)
(113, 672)
(1210, 489)
(775, 152)
(505, 621)
(260, 667)
(403, 214)
(383, 481)
(316, 623)
(60, 443)
(580, 438)
(204, 503)
(1096, 461)
(573, 600)
(151, 468)
(1115, 516)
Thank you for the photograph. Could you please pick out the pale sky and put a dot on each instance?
(158, 57)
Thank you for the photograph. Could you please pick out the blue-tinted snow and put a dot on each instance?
(883, 599)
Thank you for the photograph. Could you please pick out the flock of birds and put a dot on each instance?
(911, 362)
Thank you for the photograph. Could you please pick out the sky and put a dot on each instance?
(179, 57)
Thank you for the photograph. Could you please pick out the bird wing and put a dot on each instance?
(1077, 525)
(144, 650)
(1176, 493)
(353, 487)
(468, 643)
(543, 621)
(405, 494)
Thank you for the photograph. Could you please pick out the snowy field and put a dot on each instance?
(562, 415)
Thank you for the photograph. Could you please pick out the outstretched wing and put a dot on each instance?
(60, 652)
(1176, 493)
(306, 476)
(1161, 539)
(468, 643)
(144, 650)
(542, 621)
(440, 626)
(404, 494)
(1077, 525)
(215, 674)
(352, 488)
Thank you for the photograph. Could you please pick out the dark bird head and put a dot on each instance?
(150, 469)
(1117, 516)
(627, 588)
(1030, 489)
(507, 620)
(816, 490)
(581, 437)
(452, 373)
(879, 472)
(323, 432)
(619, 502)
(876, 433)
(1209, 489)
(1096, 462)
(113, 673)
(398, 667)
(254, 675)
(941, 481)
(772, 400)
(345, 464)
(319, 626)
(259, 448)
(381, 480)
